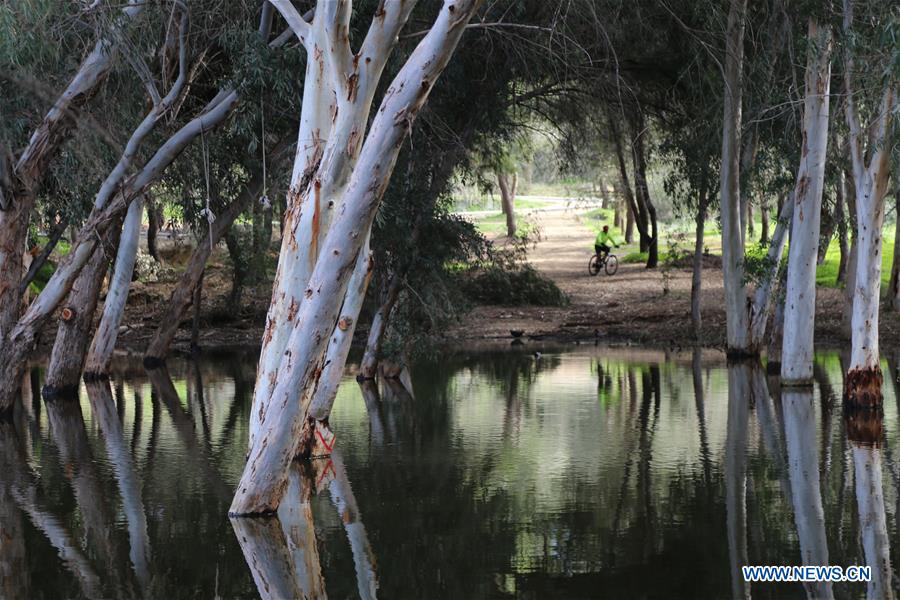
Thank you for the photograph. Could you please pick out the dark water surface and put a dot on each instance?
(614, 473)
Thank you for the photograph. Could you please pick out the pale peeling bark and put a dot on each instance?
(282, 553)
(803, 468)
(342, 337)
(863, 382)
(45, 141)
(338, 93)
(893, 296)
(265, 475)
(116, 296)
(737, 320)
(800, 298)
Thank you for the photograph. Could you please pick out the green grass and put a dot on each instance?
(496, 225)
(826, 273)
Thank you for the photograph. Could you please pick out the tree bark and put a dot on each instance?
(112, 200)
(738, 338)
(265, 474)
(508, 201)
(800, 298)
(369, 366)
(196, 304)
(77, 320)
(697, 274)
(862, 385)
(17, 201)
(154, 223)
(104, 342)
(645, 206)
(850, 284)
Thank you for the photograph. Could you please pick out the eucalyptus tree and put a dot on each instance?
(344, 176)
(70, 345)
(113, 198)
(800, 300)
(870, 151)
(21, 175)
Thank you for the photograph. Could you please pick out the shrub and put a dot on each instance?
(494, 284)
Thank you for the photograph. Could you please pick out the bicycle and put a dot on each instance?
(609, 263)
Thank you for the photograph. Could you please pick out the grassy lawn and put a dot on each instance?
(826, 273)
(496, 225)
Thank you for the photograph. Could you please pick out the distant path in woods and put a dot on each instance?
(629, 306)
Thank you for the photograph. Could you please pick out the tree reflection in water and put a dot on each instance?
(578, 474)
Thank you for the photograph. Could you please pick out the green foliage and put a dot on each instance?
(495, 284)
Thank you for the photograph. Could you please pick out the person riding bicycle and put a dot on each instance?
(604, 242)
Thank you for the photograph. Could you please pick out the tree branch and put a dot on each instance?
(296, 22)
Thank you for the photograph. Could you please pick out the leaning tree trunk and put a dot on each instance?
(111, 201)
(862, 385)
(76, 322)
(114, 307)
(800, 297)
(508, 201)
(265, 474)
(737, 319)
(181, 297)
(20, 183)
(369, 366)
(322, 169)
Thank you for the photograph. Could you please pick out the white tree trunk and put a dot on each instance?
(342, 337)
(338, 96)
(265, 474)
(803, 468)
(800, 299)
(738, 322)
(104, 342)
(862, 386)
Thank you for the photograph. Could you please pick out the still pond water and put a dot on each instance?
(598, 472)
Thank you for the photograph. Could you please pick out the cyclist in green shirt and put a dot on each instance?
(604, 242)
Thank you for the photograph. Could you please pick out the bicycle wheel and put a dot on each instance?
(594, 265)
(612, 264)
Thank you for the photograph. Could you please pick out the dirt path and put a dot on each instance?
(631, 305)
